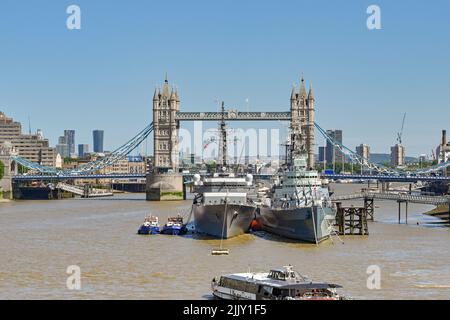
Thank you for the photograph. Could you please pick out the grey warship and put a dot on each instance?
(298, 206)
(224, 205)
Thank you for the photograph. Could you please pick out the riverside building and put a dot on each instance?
(33, 147)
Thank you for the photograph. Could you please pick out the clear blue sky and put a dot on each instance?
(103, 76)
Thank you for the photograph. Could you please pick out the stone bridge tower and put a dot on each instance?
(302, 112)
(10, 169)
(166, 103)
(163, 181)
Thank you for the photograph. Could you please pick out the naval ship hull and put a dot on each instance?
(209, 219)
(308, 224)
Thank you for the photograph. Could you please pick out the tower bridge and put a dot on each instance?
(167, 117)
(164, 181)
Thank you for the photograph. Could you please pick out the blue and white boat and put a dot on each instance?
(150, 226)
(174, 226)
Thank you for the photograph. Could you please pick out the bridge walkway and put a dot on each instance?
(403, 197)
(84, 192)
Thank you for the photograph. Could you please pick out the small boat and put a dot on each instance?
(220, 252)
(150, 226)
(277, 284)
(174, 226)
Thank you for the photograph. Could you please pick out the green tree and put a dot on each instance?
(212, 166)
(2, 169)
(21, 169)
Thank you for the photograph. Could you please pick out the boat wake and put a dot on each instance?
(432, 286)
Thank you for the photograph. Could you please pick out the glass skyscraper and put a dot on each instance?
(70, 140)
(98, 140)
(332, 153)
(83, 150)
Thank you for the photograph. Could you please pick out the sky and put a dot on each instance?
(103, 76)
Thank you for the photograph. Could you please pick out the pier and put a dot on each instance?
(400, 197)
(351, 220)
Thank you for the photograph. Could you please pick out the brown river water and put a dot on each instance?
(40, 239)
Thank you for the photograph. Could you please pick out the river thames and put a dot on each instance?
(40, 239)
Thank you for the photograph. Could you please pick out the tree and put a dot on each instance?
(212, 166)
(2, 169)
(21, 169)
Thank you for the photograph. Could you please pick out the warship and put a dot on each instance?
(298, 206)
(224, 205)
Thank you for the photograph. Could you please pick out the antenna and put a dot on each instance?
(29, 125)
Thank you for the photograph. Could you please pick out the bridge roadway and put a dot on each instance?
(78, 176)
(387, 178)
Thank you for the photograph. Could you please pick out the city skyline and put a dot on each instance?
(363, 79)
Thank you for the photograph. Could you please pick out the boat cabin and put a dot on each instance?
(174, 221)
(151, 221)
(284, 274)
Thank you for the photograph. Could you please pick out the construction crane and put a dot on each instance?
(399, 134)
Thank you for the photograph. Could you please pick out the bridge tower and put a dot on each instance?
(309, 128)
(10, 169)
(302, 113)
(165, 106)
(163, 181)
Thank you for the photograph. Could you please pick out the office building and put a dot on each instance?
(33, 147)
(363, 150)
(8, 128)
(333, 154)
(98, 136)
(322, 154)
(83, 150)
(62, 140)
(70, 141)
(397, 155)
(63, 150)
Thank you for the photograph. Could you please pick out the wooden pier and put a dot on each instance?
(399, 197)
(370, 208)
(352, 220)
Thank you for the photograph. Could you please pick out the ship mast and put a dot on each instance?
(223, 138)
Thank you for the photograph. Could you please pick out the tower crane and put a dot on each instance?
(399, 134)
